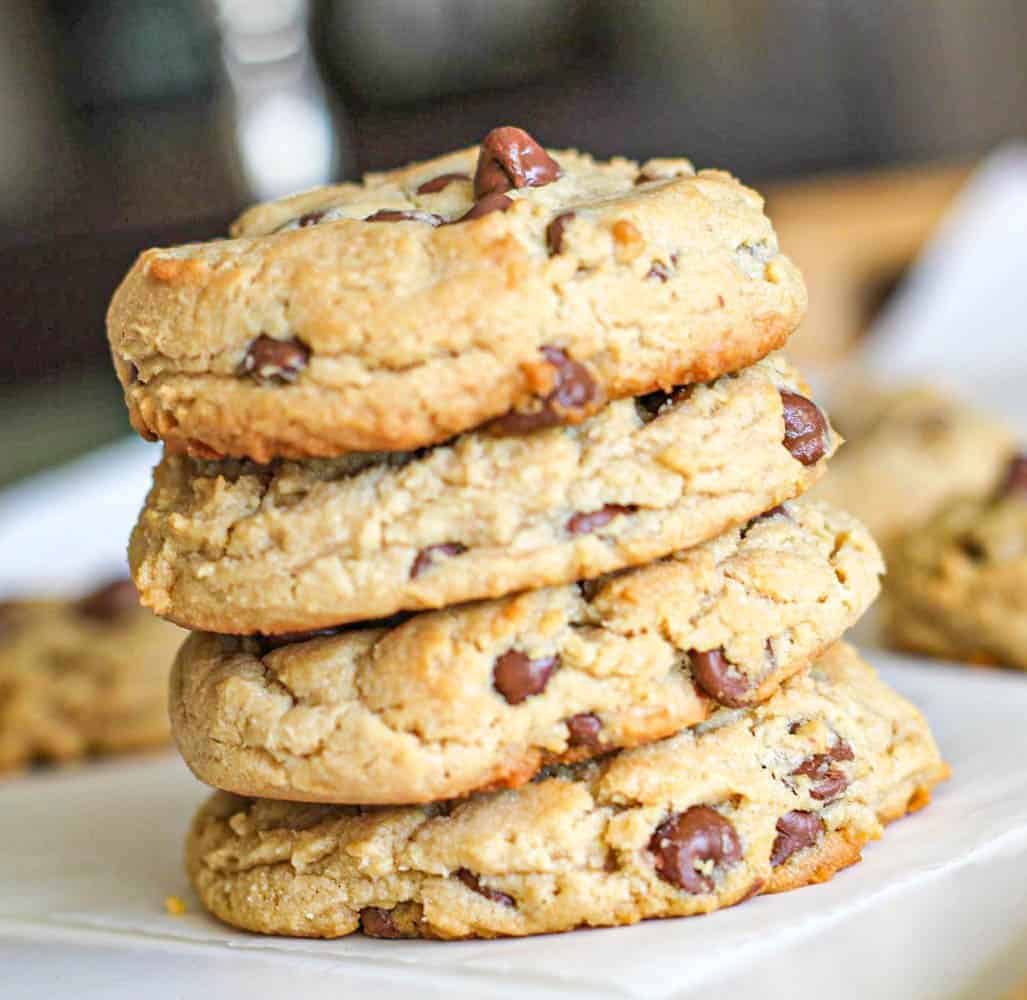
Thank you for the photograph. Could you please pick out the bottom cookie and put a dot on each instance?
(81, 677)
(754, 800)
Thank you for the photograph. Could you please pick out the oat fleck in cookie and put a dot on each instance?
(659, 831)
(81, 677)
(484, 695)
(505, 283)
(234, 547)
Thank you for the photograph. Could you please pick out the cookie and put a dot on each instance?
(907, 453)
(233, 548)
(764, 799)
(497, 284)
(958, 585)
(82, 677)
(484, 695)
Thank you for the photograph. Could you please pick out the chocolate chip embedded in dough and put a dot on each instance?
(517, 677)
(718, 677)
(805, 434)
(270, 361)
(684, 841)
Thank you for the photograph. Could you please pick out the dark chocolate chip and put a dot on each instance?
(109, 602)
(583, 730)
(700, 834)
(659, 270)
(483, 206)
(309, 219)
(376, 922)
(589, 588)
(652, 404)
(574, 391)
(796, 830)
(778, 511)
(271, 361)
(805, 428)
(972, 548)
(1015, 481)
(398, 215)
(555, 230)
(510, 158)
(426, 557)
(440, 182)
(587, 521)
(474, 884)
(517, 678)
(718, 678)
(827, 782)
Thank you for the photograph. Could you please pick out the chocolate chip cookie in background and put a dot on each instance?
(235, 548)
(958, 585)
(82, 677)
(482, 696)
(763, 800)
(502, 283)
(908, 452)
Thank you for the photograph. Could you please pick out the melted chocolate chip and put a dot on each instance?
(583, 730)
(796, 830)
(574, 391)
(555, 230)
(517, 678)
(398, 215)
(587, 521)
(109, 602)
(827, 782)
(376, 922)
(510, 158)
(700, 834)
(474, 884)
(805, 428)
(440, 182)
(483, 206)
(712, 671)
(1015, 481)
(271, 361)
(427, 557)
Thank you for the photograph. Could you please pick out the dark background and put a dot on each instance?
(127, 123)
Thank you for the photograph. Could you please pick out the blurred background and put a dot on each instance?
(128, 123)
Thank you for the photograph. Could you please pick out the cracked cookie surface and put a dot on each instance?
(357, 317)
(82, 677)
(763, 799)
(484, 695)
(957, 586)
(232, 548)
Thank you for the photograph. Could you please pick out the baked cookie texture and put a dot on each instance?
(482, 696)
(233, 548)
(374, 316)
(958, 586)
(82, 677)
(909, 452)
(756, 800)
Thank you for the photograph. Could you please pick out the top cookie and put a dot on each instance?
(500, 284)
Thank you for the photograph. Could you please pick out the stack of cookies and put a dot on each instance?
(479, 491)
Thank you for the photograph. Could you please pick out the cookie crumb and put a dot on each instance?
(175, 906)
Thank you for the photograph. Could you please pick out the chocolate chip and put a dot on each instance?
(376, 922)
(589, 588)
(659, 270)
(510, 158)
(483, 206)
(309, 219)
(574, 391)
(583, 730)
(592, 520)
(426, 557)
(440, 182)
(271, 361)
(805, 428)
(972, 548)
(474, 884)
(1015, 481)
(796, 830)
(398, 215)
(778, 511)
(700, 834)
(109, 602)
(718, 677)
(555, 229)
(827, 782)
(517, 678)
